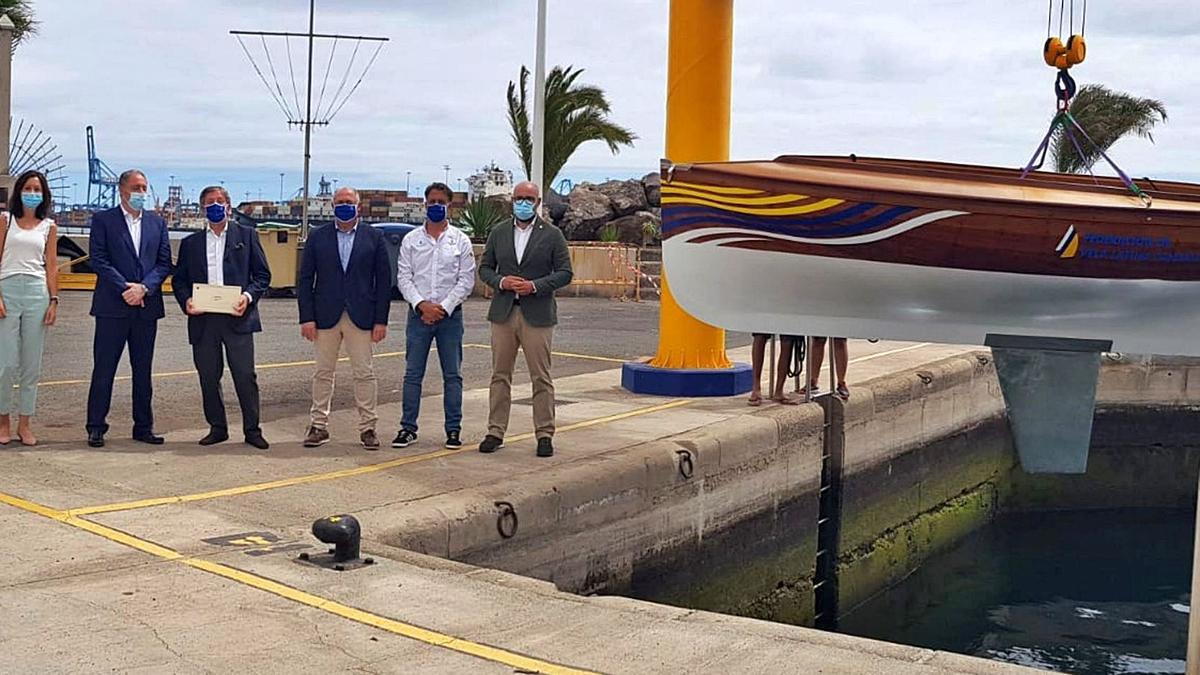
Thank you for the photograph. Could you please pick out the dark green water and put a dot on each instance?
(1095, 592)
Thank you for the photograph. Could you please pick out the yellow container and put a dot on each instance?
(282, 247)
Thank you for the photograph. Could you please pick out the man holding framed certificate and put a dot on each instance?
(220, 276)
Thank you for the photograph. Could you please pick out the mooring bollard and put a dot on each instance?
(343, 532)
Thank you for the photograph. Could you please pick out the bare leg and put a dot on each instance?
(25, 430)
(841, 354)
(816, 356)
(786, 345)
(5, 428)
(757, 356)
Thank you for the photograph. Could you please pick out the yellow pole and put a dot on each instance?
(699, 79)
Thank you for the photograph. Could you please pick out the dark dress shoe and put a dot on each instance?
(95, 439)
(215, 437)
(149, 438)
(545, 447)
(258, 441)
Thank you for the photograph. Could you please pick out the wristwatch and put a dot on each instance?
(54, 299)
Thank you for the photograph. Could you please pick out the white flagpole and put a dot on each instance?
(539, 101)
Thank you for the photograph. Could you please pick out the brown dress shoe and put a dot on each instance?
(369, 440)
(316, 437)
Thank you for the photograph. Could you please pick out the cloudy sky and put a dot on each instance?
(168, 88)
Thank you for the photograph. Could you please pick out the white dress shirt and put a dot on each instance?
(214, 254)
(439, 270)
(134, 223)
(521, 237)
(215, 247)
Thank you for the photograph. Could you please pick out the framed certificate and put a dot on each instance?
(215, 299)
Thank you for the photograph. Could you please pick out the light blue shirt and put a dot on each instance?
(345, 241)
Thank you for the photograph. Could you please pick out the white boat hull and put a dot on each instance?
(767, 291)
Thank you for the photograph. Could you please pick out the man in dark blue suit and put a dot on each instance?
(225, 254)
(131, 254)
(345, 292)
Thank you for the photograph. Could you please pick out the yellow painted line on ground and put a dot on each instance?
(298, 364)
(568, 355)
(517, 661)
(356, 471)
(179, 373)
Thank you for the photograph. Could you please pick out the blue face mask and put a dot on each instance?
(345, 212)
(137, 200)
(215, 213)
(436, 213)
(31, 200)
(523, 210)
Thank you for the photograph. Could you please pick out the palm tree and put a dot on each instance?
(479, 216)
(21, 14)
(575, 114)
(1107, 116)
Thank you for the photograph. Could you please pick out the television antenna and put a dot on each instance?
(324, 111)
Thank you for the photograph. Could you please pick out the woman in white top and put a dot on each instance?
(28, 298)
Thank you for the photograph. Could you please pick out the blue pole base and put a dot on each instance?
(642, 378)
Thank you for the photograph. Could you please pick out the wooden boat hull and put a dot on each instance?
(932, 252)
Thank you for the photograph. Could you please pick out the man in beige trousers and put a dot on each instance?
(525, 262)
(345, 293)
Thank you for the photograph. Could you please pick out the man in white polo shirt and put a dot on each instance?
(435, 272)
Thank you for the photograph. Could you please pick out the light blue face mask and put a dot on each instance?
(31, 200)
(523, 209)
(137, 200)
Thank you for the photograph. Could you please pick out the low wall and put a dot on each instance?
(928, 459)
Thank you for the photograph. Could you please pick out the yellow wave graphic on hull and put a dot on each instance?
(822, 205)
(736, 201)
(716, 189)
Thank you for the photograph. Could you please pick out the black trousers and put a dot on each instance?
(210, 364)
(107, 347)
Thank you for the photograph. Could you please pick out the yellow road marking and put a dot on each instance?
(297, 364)
(430, 637)
(178, 373)
(568, 355)
(356, 471)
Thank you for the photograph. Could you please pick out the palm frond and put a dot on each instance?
(575, 114)
(1107, 116)
(22, 16)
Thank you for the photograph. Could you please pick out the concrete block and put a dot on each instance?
(601, 490)
(420, 527)
(798, 422)
(1166, 384)
(745, 439)
(474, 527)
(1191, 390)
(1122, 382)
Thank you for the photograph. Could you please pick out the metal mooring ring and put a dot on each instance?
(686, 467)
(925, 377)
(507, 513)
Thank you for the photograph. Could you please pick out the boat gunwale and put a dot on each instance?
(1166, 189)
(711, 173)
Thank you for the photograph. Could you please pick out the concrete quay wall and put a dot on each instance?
(723, 517)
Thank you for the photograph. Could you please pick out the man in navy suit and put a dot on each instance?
(345, 292)
(225, 254)
(131, 254)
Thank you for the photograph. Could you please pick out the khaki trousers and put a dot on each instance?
(535, 342)
(358, 348)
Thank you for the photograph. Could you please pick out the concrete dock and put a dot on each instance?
(184, 559)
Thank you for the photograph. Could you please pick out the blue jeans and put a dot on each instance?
(418, 338)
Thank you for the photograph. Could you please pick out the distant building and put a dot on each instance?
(490, 181)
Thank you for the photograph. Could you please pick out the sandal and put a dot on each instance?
(843, 392)
(754, 401)
(812, 391)
(788, 400)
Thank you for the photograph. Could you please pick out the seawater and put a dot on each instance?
(1089, 592)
